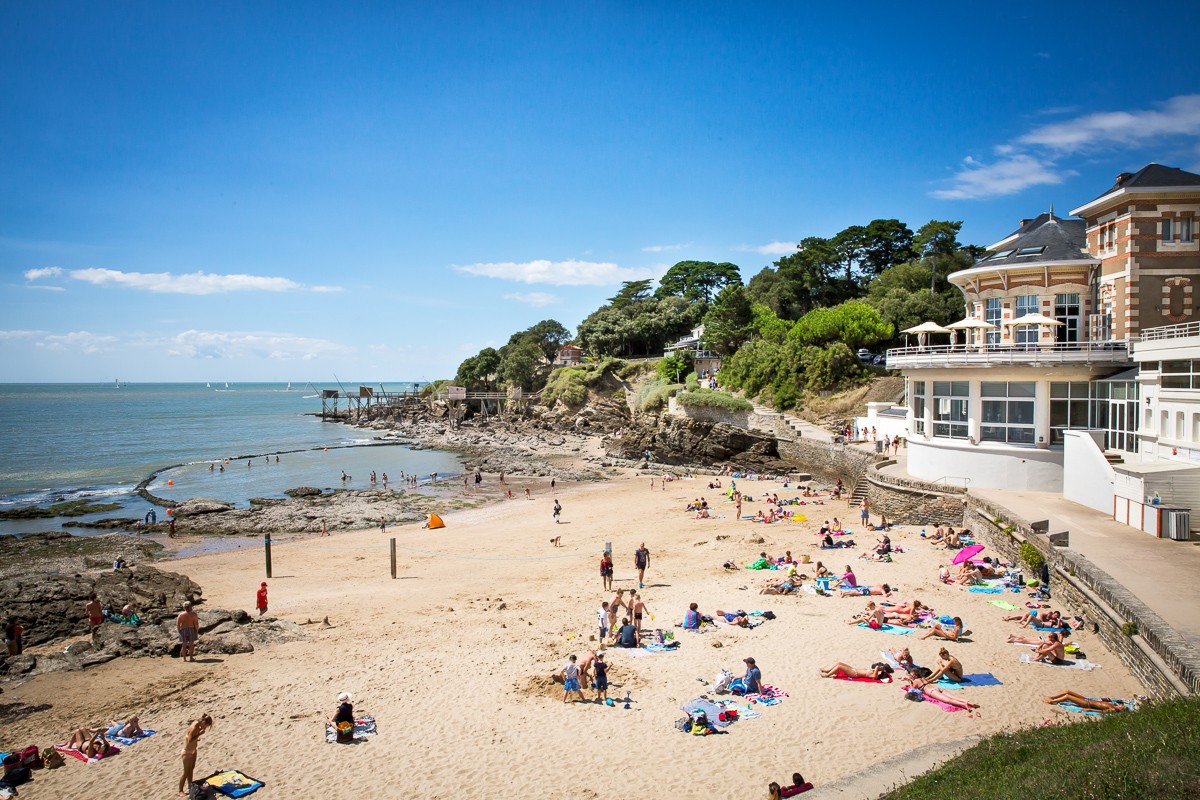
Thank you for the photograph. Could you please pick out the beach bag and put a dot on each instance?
(683, 724)
(31, 757)
(915, 695)
(724, 679)
(52, 758)
(200, 790)
(768, 615)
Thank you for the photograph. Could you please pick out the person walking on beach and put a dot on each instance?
(188, 625)
(171, 529)
(557, 511)
(191, 742)
(502, 477)
(324, 530)
(606, 571)
(641, 560)
(262, 599)
(94, 611)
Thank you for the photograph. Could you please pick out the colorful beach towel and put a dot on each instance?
(127, 741)
(934, 701)
(891, 659)
(1084, 664)
(985, 590)
(363, 727)
(971, 679)
(1090, 712)
(1007, 606)
(233, 783)
(897, 630)
(73, 753)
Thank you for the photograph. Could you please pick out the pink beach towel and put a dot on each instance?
(940, 704)
(841, 676)
(68, 751)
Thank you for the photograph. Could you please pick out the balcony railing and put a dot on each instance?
(1179, 331)
(1049, 353)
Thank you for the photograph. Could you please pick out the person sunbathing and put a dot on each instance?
(968, 574)
(941, 695)
(903, 658)
(948, 667)
(1039, 619)
(735, 617)
(90, 742)
(829, 544)
(129, 729)
(879, 589)
(1052, 651)
(878, 671)
(1014, 639)
(1105, 705)
(872, 616)
(951, 633)
(906, 614)
(799, 786)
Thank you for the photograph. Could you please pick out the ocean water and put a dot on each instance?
(70, 441)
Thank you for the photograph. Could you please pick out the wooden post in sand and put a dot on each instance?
(393, 549)
(267, 544)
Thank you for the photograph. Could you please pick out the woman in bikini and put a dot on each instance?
(946, 633)
(90, 742)
(191, 741)
(879, 671)
(1105, 705)
(949, 698)
(948, 667)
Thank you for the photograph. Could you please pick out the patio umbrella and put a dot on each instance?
(968, 552)
(924, 329)
(971, 324)
(1032, 319)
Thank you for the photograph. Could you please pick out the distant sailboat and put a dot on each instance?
(117, 384)
(289, 387)
(207, 385)
(226, 384)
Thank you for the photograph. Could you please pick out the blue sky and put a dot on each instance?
(285, 191)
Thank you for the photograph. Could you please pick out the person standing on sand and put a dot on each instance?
(557, 511)
(641, 560)
(606, 570)
(478, 479)
(383, 524)
(188, 625)
(570, 674)
(600, 667)
(637, 607)
(262, 599)
(171, 530)
(191, 742)
(865, 512)
(94, 611)
(617, 602)
(502, 477)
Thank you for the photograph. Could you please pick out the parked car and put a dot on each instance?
(880, 361)
(864, 355)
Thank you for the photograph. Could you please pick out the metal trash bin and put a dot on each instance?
(878, 447)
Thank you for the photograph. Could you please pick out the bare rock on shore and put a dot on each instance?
(201, 505)
(681, 440)
(51, 605)
(303, 491)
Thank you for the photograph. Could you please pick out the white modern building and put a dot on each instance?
(1046, 393)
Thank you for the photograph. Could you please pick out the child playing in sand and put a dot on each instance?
(600, 668)
(570, 674)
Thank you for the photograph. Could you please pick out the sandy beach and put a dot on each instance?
(454, 658)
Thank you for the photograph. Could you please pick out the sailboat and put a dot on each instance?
(226, 384)
(117, 384)
(207, 385)
(289, 387)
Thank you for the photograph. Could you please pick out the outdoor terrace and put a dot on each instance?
(1113, 353)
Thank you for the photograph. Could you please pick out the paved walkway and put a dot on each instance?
(1164, 574)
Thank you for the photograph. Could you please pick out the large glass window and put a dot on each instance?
(917, 392)
(1007, 412)
(950, 409)
(1066, 311)
(1181, 374)
(1068, 409)
(1026, 304)
(992, 316)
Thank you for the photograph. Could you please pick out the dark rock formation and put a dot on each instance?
(680, 440)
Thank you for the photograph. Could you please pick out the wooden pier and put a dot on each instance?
(367, 402)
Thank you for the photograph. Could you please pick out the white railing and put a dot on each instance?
(958, 355)
(1179, 331)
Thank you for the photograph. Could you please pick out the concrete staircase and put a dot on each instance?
(860, 493)
(1113, 458)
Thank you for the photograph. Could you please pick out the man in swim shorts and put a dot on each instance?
(188, 625)
(94, 612)
(638, 608)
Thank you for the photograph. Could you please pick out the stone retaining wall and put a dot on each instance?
(738, 419)
(825, 459)
(912, 502)
(1161, 659)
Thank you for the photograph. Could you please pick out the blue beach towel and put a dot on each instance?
(971, 679)
(893, 629)
(985, 590)
(125, 740)
(655, 647)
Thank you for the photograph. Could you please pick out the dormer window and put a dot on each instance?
(1030, 251)
(1001, 254)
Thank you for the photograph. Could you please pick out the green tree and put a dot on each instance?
(548, 335)
(674, 368)
(520, 363)
(698, 281)
(901, 293)
(639, 327)
(853, 323)
(631, 291)
(850, 246)
(938, 237)
(889, 242)
(730, 321)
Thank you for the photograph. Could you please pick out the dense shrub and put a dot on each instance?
(566, 385)
(653, 394)
(1032, 556)
(706, 398)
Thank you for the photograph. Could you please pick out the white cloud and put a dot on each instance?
(1179, 116)
(1008, 175)
(1035, 158)
(43, 272)
(193, 283)
(665, 248)
(39, 287)
(556, 273)
(770, 248)
(536, 299)
(81, 341)
(232, 344)
(17, 336)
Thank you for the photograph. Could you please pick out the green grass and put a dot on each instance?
(1150, 754)
(653, 394)
(707, 398)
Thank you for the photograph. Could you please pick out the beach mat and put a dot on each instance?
(363, 727)
(985, 590)
(1007, 606)
(891, 659)
(897, 630)
(127, 741)
(841, 676)
(1088, 711)
(1084, 664)
(232, 783)
(935, 702)
(971, 679)
(67, 751)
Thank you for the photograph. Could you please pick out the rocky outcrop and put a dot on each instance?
(51, 606)
(681, 440)
(221, 633)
